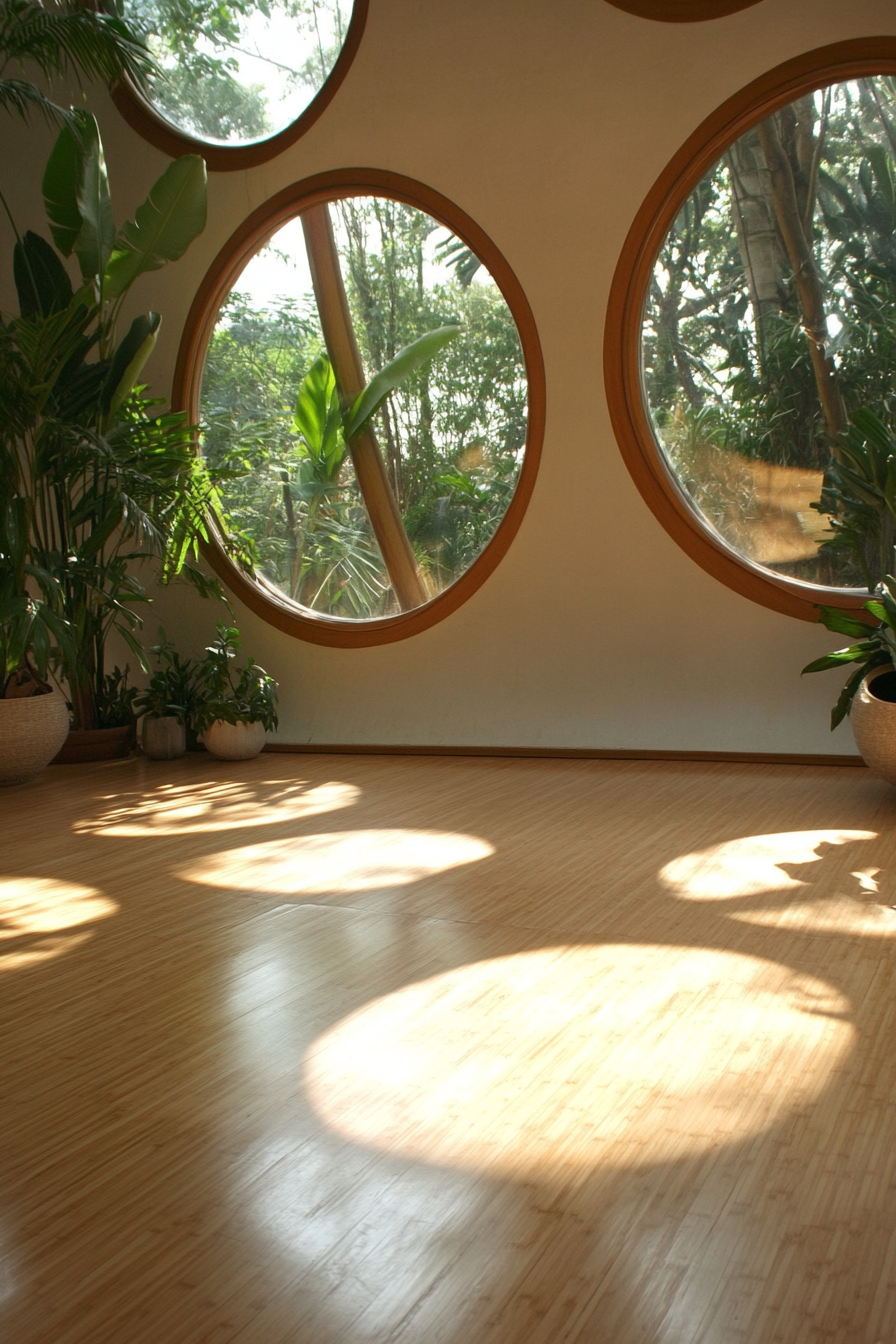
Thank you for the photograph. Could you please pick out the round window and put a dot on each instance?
(239, 80)
(766, 341)
(365, 400)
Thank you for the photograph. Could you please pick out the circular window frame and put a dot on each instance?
(648, 467)
(140, 114)
(682, 11)
(255, 591)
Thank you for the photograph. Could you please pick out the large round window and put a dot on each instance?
(366, 401)
(240, 79)
(766, 327)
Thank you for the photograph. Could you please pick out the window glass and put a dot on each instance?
(450, 435)
(239, 72)
(771, 319)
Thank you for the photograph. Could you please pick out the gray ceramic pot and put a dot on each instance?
(164, 739)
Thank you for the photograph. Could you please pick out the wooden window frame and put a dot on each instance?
(255, 591)
(682, 11)
(650, 471)
(143, 117)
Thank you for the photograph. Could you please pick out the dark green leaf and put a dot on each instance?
(41, 280)
(62, 176)
(129, 359)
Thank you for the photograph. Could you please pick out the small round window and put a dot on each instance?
(239, 73)
(365, 400)
(769, 322)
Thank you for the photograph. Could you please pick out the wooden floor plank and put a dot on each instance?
(319, 1050)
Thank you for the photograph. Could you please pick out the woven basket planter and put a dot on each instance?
(874, 724)
(32, 730)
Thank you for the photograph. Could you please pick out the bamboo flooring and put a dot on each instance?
(365, 1050)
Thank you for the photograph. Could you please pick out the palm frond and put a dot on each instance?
(65, 37)
(16, 95)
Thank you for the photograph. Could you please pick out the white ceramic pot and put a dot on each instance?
(164, 739)
(234, 741)
(874, 723)
(31, 732)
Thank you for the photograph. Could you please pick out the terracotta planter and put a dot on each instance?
(31, 732)
(234, 741)
(97, 744)
(873, 720)
(164, 739)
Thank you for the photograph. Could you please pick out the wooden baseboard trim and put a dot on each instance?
(565, 753)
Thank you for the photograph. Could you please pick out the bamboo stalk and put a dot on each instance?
(805, 273)
(345, 357)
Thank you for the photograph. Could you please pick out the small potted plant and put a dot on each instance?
(869, 695)
(167, 704)
(859, 498)
(238, 706)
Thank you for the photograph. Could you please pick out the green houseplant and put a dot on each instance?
(859, 495)
(168, 704)
(238, 705)
(57, 39)
(100, 480)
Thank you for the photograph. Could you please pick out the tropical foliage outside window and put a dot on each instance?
(237, 72)
(451, 434)
(770, 324)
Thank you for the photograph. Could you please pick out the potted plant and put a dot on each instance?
(34, 716)
(168, 704)
(100, 479)
(870, 691)
(238, 705)
(860, 496)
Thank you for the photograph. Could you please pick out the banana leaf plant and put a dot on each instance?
(876, 646)
(98, 480)
(326, 427)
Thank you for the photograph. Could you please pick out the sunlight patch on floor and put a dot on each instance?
(578, 1057)
(344, 861)
(34, 911)
(753, 864)
(193, 810)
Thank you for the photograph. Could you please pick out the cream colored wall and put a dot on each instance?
(547, 123)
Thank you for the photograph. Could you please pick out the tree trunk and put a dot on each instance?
(805, 273)
(759, 238)
(370, 469)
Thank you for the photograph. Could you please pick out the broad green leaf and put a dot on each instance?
(318, 420)
(129, 359)
(41, 280)
(94, 243)
(60, 186)
(854, 654)
(173, 214)
(76, 195)
(847, 695)
(832, 618)
(396, 372)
